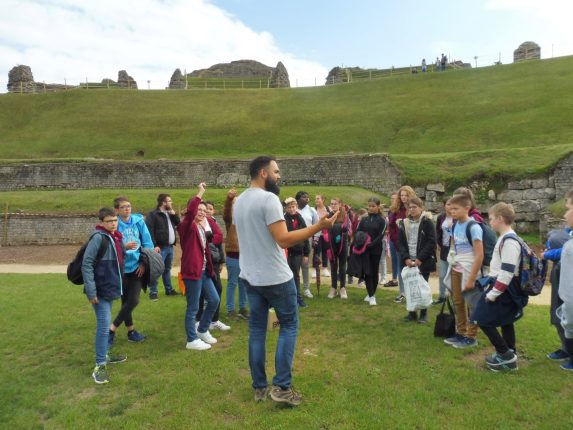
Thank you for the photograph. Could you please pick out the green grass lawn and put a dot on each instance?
(357, 367)
(438, 126)
(144, 200)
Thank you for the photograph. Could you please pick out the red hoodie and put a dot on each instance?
(474, 213)
(191, 246)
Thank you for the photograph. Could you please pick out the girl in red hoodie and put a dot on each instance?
(197, 273)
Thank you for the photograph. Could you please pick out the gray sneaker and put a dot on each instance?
(100, 375)
(112, 358)
(286, 395)
(261, 394)
(243, 313)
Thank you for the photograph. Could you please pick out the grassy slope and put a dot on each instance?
(357, 366)
(432, 125)
(89, 201)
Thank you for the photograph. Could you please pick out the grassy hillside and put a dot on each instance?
(434, 126)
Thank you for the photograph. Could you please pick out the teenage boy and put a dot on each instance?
(503, 301)
(465, 264)
(565, 311)
(310, 217)
(162, 224)
(102, 285)
(135, 235)
(262, 232)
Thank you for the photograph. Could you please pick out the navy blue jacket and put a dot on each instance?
(104, 278)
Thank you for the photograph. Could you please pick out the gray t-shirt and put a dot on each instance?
(262, 260)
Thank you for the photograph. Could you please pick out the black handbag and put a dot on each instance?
(445, 322)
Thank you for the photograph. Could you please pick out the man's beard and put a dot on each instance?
(271, 186)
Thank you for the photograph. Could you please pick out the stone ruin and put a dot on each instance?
(177, 81)
(527, 51)
(247, 69)
(125, 81)
(21, 80)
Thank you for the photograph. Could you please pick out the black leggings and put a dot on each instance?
(338, 268)
(323, 246)
(129, 299)
(503, 342)
(295, 262)
(219, 287)
(372, 278)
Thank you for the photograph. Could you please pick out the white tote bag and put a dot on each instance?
(416, 289)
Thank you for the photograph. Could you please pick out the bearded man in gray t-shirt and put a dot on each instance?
(263, 236)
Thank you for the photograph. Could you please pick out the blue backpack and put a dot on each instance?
(532, 270)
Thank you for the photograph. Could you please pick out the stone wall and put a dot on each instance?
(41, 229)
(375, 172)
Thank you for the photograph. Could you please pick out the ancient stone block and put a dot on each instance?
(510, 196)
(440, 188)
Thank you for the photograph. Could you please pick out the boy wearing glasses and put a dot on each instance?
(135, 235)
(103, 285)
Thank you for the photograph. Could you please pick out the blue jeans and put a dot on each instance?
(281, 297)
(443, 270)
(394, 257)
(167, 255)
(233, 271)
(193, 290)
(103, 321)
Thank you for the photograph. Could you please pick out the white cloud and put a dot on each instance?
(75, 39)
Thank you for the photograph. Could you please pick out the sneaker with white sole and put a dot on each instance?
(367, 298)
(326, 273)
(372, 301)
(285, 395)
(219, 325)
(100, 374)
(332, 294)
(198, 345)
(207, 338)
(343, 294)
(307, 293)
(361, 284)
(313, 274)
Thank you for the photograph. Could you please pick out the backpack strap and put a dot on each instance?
(102, 246)
(471, 223)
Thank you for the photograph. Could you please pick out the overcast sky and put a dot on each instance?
(92, 39)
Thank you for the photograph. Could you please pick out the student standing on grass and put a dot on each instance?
(554, 247)
(444, 234)
(565, 311)
(262, 232)
(338, 252)
(215, 243)
(135, 236)
(103, 285)
(161, 224)
(298, 253)
(503, 301)
(465, 263)
(232, 261)
(417, 246)
(323, 240)
(310, 217)
(393, 252)
(374, 225)
(397, 212)
(197, 273)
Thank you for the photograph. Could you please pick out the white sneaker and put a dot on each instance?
(198, 345)
(367, 298)
(308, 294)
(362, 284)
(332, 294)
(343, 294)
(372, 301)
(219, 325)
(325, 272)
(196, 325)
(313, 274)
(207, 338)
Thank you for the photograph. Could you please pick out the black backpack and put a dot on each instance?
(75, 266)
(489, 240)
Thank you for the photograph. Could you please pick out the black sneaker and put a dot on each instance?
(301, 303)
(135, 336)
(439, 301)
(558, 355)
(243, 313)
(153, 297)
(410, 317)
(391, 283)
(112, 358)
(502, 362)
(423, 318)
(286, 395)
(399, 299)
(171, 293)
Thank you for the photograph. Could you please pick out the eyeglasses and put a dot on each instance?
(125, 207)
(110, 221)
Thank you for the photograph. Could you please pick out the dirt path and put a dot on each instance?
(54, 259)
